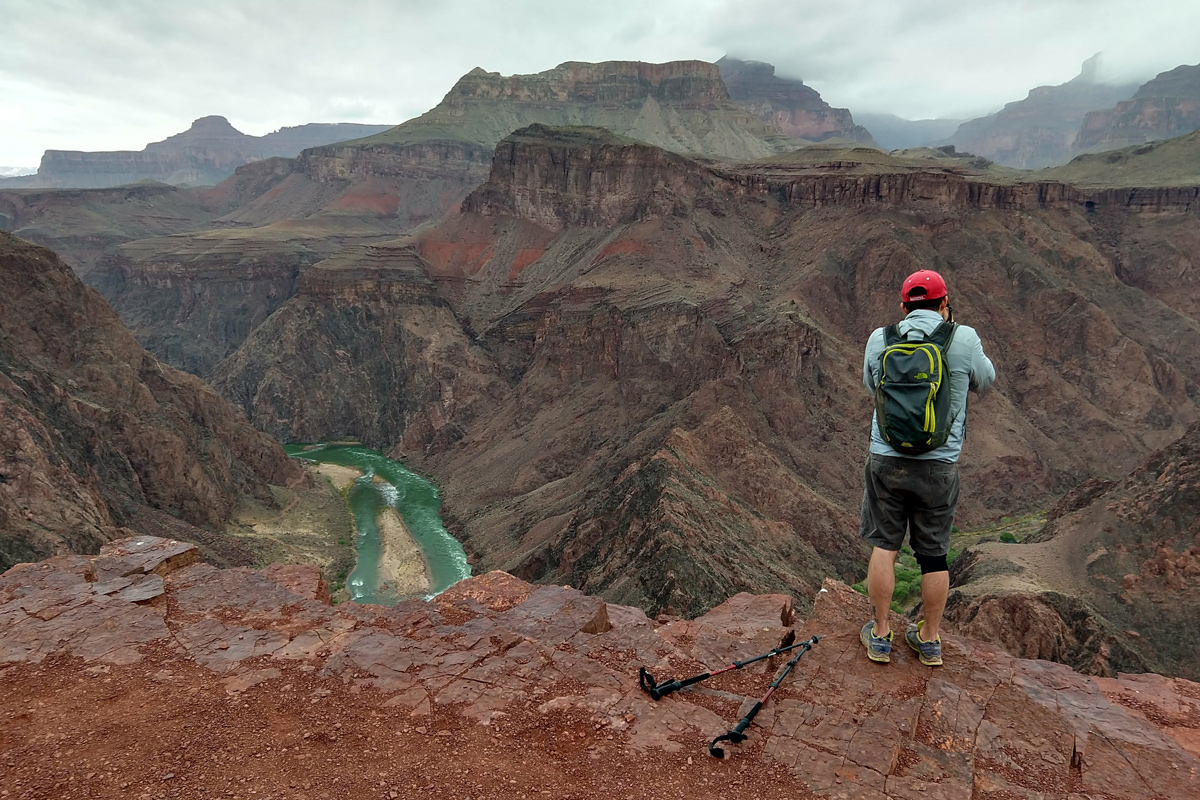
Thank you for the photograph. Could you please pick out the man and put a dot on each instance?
(906, 488)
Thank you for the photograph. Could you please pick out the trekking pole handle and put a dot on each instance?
(657, 691)
(735, 736)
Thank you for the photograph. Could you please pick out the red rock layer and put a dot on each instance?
(445, 697)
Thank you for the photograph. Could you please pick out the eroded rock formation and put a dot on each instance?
(449, 695)
(205, 154)
(680, 106)
(98, 437)
(1041, 130)
(1122, 561)
(788, 104)
(1162, 108)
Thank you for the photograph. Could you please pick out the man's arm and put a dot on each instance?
(983, 372)
(871, 357)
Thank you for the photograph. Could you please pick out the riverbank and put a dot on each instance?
(305, 525)
(403, 569)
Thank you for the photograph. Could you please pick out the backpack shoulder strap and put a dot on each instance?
(942, 335)
(891, 335)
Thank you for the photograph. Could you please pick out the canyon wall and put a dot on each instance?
(1163, 108)
(657, 393)
(797, 110)
(680, 106)
(1041, 130)
(101, 440)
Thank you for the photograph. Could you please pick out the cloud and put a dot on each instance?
(951, 58)
(77, 74)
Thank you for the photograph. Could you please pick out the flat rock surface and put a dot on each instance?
(230, 684)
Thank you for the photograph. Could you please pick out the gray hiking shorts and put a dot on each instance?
(907, 493)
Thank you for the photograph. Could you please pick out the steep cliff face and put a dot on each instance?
(680, 106)
(205, 154)
(678, 347)
(366, 347)
(794, 108)
(1041, 130)
(98, 436)
(1123, 559)
(1163, 108)
(192, 299)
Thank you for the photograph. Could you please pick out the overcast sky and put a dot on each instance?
(116, 74)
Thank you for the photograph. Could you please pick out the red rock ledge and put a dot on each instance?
(140, 673)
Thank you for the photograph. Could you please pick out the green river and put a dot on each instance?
(419, 505)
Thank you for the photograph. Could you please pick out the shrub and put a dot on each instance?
(1008, 538)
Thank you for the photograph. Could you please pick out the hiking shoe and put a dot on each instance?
(879, 648)
(930, 652)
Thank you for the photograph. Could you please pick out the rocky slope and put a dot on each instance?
(1114, 575)
(1041, 130)
(499, 688)
(681, 106)
(98, 438)
(797, 110)
(205, 154)
(1168, 162)
(646, 373)
(1163, 108)
(191, 299)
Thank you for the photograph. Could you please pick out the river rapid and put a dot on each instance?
(387, 483)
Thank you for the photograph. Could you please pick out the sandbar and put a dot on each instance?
(402, 565)
(340, 476)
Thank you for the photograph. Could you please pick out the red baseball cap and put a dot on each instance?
(925, 285)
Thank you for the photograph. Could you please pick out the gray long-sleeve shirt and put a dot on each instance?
(970, 369)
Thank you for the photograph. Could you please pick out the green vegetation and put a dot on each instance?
(1009, 530)
(338, 584)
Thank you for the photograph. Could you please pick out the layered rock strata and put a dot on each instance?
(448, 693)
(680, 106)
(99, 437)
(788, 104)
(193, 299)
(83, 225)
(1162, 108)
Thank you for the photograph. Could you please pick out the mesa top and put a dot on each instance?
(970, 369)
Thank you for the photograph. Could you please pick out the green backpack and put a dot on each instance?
(912, 400)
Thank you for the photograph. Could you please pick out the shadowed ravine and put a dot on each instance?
(418, 503)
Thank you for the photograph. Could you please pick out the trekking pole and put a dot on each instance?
(738, 734)
(660, 690)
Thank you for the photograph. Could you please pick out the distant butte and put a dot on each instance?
(205, 154)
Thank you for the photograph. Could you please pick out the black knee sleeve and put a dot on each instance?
(932, 563)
